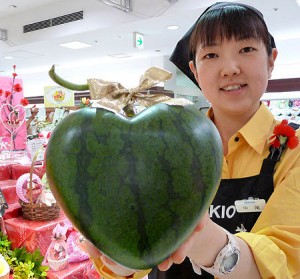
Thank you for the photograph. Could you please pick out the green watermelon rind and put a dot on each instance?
(90, 145)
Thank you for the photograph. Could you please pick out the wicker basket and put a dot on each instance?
(38, 211)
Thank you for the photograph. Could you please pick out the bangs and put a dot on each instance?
(230, 22)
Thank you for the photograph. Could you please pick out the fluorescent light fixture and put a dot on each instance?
(119, 55)
(298, 2)
(75, 45)
(172, 27)
(8, 57)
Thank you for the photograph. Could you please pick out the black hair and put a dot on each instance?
(229, 22)
(222, 20)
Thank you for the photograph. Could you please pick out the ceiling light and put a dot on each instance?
(298, 2)
(75, 45)
(172, 27)
(8, 57)
(119, 55)
(12, 6)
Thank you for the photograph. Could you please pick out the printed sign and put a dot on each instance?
(57, 96)
(34, 146)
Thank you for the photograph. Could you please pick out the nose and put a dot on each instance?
(230, 67)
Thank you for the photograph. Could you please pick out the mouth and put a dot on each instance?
(233, 87)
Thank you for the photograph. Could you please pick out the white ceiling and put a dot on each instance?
(36, 51)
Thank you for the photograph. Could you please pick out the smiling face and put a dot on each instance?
(233, 74)
(232, 58)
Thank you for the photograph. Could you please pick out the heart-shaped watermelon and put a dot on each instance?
(136, 187)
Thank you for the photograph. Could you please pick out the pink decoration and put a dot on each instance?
(57, 254)
(76, 254)
(21, 186)
(20, 132)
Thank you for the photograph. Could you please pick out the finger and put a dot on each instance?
(165, 265)
(180, 254)
(89, 248)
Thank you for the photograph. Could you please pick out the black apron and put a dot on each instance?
(222, 212)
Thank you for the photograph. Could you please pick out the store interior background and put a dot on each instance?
(109, 32)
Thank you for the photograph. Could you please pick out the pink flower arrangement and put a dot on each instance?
(12, 116)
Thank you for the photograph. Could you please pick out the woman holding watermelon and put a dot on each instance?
(252, 229)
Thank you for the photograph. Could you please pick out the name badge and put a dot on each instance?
(250, 205)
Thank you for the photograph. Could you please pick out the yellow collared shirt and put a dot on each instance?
(275, 238)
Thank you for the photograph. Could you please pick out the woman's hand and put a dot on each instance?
(181, 253)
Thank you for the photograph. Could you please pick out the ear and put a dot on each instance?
(271, 61)
(194, 70)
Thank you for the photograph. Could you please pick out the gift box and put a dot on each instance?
(14, 210)
(31, 234)
(8, 188)
(19, 169)
(5, 172)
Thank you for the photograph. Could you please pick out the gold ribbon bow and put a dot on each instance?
(115, 96)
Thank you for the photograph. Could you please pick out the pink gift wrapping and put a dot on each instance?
(81, 270)
(8, 188)
(18, 169)
(14, 210)
(5, 171)
(31, 234)
(76, 254)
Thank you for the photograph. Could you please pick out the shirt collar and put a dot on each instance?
(258, 129)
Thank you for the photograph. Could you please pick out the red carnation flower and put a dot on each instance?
(18, 87)
(284, 134)
(24, 102)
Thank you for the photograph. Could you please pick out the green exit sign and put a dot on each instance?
(138, 40)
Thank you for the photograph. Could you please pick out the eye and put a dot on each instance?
(210, 56)
(247, 49)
